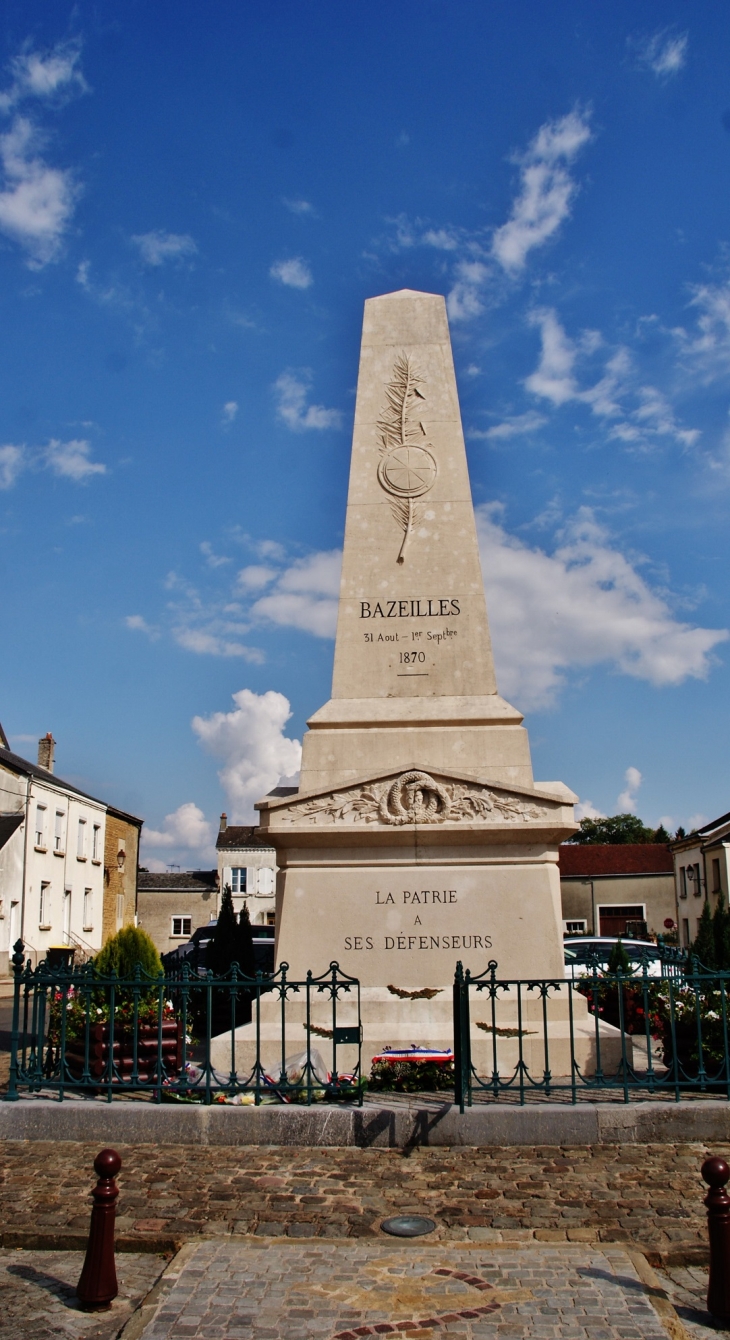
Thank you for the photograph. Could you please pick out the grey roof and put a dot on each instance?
(241, 835)
(178, 881)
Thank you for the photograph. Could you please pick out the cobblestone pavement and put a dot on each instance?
(686, 1289)
(293, 1291)
(38, 1295)
(649, 1194)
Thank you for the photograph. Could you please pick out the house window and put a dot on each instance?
(693, 875)
(685, 932)
(120, 911)
(40, 826)
(716, 884)
(574, 927)
(88, 910)
(96, 843)
(182, 926)
(44, 909)
(58, 842)
(81, 841)
(682, 882)
(270, 918)
(238, 880)
(265, 882)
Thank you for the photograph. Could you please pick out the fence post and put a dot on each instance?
(462, 1039)
(12, 1094)
(97, 1286)
(716, 1173)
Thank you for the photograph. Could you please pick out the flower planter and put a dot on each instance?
(148, 1036)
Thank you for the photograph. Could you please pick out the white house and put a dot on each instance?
(51, 858)
(248, 864)
(701, 871)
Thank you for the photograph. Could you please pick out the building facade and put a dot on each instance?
(701, 871)
(617, 889)
(247, 862)
(52, 887)
(121, 860)
(172, 906)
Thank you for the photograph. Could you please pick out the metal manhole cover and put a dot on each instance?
(408, 1225)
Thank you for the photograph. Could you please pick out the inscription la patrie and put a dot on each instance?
(417, 898)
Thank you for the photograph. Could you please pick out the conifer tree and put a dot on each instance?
(703, 947)
(222, 948)
(721, 932)
(245, 956)
(619, 960)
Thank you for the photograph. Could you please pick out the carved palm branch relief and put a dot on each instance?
(407, 468)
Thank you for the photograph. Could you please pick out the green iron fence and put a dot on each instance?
(173, 1037)
(623, 1034)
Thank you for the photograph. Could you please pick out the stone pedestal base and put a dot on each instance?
(388, 1021)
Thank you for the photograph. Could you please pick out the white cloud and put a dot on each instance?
(48, 75)
(230, 410)
(254, 577)
(626, 802)
(585, 809)
(137, 624)
(252, 747)
(664, 53)
(37, 201)
(464, 300)
(186, 827)
(70, 460)
(293, 410)
(158, 246)
(547, 190)
(299, 206)
(212, 559)
(709, 348)
(555, 379)
(294, 273)
(12, 462)
(516, 425)
(696, 821)
(306, 595)
(581, 606)
(206, 643)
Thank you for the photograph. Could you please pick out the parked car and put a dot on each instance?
(194, 949)
(580, 949)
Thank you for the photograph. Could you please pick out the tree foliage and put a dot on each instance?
(712, 943)
(617, 829)
(232, 940)
(123, 951)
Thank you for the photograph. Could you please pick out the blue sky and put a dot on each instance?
(194, 203)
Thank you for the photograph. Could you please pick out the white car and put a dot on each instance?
(579, 949)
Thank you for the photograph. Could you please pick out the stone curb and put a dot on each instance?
(400, 1127)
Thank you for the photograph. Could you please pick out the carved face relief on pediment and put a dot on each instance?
(417, 798)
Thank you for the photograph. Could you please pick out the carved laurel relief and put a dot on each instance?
(417, 798)
(407, 468)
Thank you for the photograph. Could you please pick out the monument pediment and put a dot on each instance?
(416, 797)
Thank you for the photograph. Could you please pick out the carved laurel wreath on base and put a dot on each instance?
(417, 798)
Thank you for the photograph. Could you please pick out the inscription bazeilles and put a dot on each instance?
(410, 609)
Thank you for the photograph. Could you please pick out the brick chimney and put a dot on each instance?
(224, 822)
(46, 750)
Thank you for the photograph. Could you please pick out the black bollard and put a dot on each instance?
(97, 1286)
(716, 1173)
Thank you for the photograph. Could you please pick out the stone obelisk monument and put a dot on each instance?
(417, 835)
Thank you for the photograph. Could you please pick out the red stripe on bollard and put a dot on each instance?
(97, 1286)
(716, 1173)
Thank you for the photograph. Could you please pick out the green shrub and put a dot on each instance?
(123, 951)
